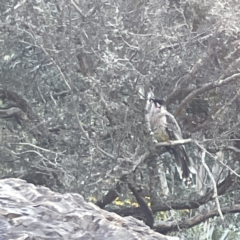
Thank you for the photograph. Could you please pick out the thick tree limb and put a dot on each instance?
(13, 112)
(164, 227)
(186, 79)
(143, 205)
(218, 113)
(112, 194)
(18, 101)
(181, 204)
(204, 88)
(22, 111)
(189, 76)
(108, 198)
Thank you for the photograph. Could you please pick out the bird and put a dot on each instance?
(165, 128)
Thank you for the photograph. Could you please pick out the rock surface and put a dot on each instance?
(30, 212)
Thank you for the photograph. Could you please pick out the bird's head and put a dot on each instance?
(158, 102)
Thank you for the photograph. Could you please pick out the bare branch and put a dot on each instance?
(219, 112)
(77, 8)
(215, 195)
(164, 227)
(232, 148)
(188, 77)
(216, 158)
(174, 143)
(143, 205)
(169, 204)
(229, 103)
(37, 147)
(204, 88)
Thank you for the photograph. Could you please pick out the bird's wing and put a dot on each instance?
(184, 163)
(172, 127)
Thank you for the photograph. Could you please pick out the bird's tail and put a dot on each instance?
(184, 164)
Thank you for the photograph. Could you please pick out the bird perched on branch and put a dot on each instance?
(165, 128)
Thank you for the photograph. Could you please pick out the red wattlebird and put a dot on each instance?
(165, 128)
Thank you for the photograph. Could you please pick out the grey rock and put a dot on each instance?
(35, 212)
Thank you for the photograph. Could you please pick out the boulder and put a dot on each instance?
(35, 212)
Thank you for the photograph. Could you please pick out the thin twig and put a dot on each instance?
(174, 143)
(215, 158)
(215, 194)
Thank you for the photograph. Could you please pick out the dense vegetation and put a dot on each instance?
(74, 77)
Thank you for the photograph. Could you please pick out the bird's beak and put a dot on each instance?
(158, 105)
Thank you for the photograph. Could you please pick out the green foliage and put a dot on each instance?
(83, 67)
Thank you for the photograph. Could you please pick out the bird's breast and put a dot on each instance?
(161, 135)
(158, 126)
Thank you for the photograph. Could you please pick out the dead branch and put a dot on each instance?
(204, 88)
(169, 204)
(143, 205)
(215, 195)
(219, 112)
(164, 227)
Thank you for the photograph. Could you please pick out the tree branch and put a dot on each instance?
(111, 195)
(143, 205)
(218, 113)
(174, 143)
(169, 204)
(164, 227)
(215, 195)
(204, 88)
